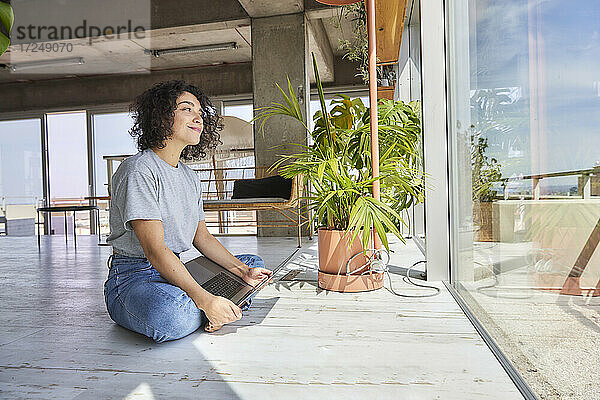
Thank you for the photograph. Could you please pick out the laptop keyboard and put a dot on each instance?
(222, 285)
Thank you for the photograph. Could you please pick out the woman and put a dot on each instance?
(156, 213)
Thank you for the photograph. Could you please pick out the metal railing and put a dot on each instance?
(219, 183)
(586, 183)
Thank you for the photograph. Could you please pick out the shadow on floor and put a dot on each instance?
(254, 316)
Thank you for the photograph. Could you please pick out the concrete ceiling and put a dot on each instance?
(266, 8)
(231, 23)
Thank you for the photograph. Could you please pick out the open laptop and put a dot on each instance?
(217, 280)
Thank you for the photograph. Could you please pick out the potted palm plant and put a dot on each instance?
(337, 168)
(485, 172)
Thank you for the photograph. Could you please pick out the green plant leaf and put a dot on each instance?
(7, 17)
(344, 113)
(4, 43)
(321, 171)
(381, 232)
(321, 97)
(290, 109)
(337, 166)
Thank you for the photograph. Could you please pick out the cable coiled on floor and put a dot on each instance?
(376, 265)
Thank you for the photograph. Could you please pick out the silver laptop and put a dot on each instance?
(217, 280)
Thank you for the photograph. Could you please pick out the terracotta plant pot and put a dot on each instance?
(333, 260)
(483, 218)
(334, 253)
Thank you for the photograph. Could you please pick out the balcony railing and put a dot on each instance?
(585, 185)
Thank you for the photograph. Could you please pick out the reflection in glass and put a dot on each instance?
(525, 112)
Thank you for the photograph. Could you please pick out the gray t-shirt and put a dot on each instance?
(147, 187)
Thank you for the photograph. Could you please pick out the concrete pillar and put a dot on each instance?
(279, 51)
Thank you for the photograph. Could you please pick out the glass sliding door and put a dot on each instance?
(524, 138)
(21, 188)
(111, 138)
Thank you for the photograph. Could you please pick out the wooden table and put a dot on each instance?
(65, 209)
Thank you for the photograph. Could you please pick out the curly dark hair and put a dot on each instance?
(154, 110)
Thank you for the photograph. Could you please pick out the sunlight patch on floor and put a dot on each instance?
(141, 392)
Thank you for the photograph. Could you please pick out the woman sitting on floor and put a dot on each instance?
(156, 214)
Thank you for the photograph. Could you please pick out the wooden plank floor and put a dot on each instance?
(57, 341)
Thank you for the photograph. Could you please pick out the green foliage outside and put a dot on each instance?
(499, 125)
(494, 116)
(485, 170)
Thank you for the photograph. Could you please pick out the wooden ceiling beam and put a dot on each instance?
(389, 25)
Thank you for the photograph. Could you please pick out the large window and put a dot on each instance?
(111, 138)
(20, 175)
(20, 161)
(68, 168)
(524, 106)
(239, 110)
(233, 161)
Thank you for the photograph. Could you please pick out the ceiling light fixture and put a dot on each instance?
(193, 49)
(46, 63)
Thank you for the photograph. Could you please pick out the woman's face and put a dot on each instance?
(187, 122)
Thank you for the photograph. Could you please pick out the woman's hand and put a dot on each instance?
(220, 311)
(254, 276)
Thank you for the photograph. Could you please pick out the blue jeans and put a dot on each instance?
(139, 299)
